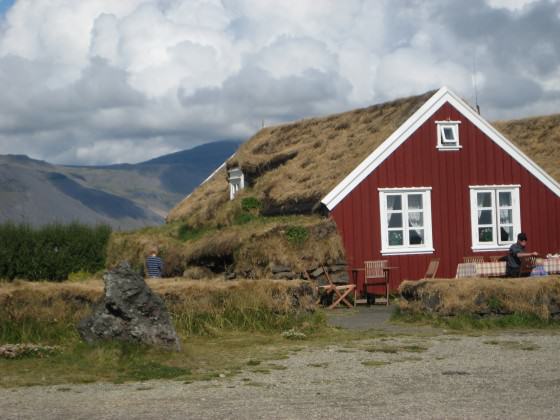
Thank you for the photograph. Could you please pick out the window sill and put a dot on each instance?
(448, 148)
(407, 251)
(487, 248)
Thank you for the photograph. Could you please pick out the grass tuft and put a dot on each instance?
(474, 322)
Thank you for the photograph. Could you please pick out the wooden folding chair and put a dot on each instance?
(376, 275)
(341, 291)
(432, 269)
(473, 259)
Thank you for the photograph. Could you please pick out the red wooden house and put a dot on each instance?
(445, 184)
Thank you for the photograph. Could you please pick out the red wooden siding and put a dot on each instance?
(417, 163)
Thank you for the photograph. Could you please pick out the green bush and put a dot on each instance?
(243, 218)
(297, 235)
(188, 233)
(51, 252)
(250, 203)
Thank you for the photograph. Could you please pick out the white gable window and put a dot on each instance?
(236, 181)
(406, 220)
(448, 135)
(495, 216)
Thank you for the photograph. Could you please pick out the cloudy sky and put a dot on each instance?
(107, 81)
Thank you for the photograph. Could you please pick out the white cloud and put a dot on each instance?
(510, 4)
(103, 81)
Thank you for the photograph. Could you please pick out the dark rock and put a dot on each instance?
(554, 307)
(131, 312)
(484, 311)
(480, 299)
(340, 277)
(284, 275)
(431, 301)
(317, 272)
(338, 267)
(277, 268)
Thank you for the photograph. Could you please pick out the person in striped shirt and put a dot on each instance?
(154, 265)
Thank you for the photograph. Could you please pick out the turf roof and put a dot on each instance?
(292, 166)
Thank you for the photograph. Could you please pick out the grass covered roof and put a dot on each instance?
(291, 167)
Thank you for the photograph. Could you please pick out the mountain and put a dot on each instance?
(125, 196)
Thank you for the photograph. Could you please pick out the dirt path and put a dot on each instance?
(510, 375)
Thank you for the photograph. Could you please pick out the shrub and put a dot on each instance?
(51, 252)
(188, 233)
(297, 235)
(251, 203)
(242, 218)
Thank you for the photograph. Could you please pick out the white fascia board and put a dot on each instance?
(505, 144)
(395, 140)
(337, 194)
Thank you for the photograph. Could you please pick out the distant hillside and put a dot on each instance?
(125, 196)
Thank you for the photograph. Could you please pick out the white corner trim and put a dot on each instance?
(395, 140)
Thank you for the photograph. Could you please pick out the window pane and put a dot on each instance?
(485, 234)
(485, 217)
(505, 199)
(395, 237)
(394, 202)
(415, 202)
(416, 219)
(506, 234)
(506, 216)
(448, 134)
(394, 220)
(416, 236)
(484, 199)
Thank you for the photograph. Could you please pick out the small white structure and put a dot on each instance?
(236, 181)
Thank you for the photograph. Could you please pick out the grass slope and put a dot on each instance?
(225, 327)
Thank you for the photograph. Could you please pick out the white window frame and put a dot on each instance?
(442, 143)
(406, 248)
(496, 244)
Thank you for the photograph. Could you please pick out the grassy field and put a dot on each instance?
(225, 327)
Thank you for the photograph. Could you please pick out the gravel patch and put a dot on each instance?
(508, 375)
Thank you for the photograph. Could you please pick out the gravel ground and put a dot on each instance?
(503, 376)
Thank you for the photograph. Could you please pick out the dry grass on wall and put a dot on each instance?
(302, 161)
(247, 249)
(538, 296)
(49, 312)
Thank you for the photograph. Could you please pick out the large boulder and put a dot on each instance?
(129, 311)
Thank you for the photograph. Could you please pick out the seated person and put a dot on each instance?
(516, 252)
